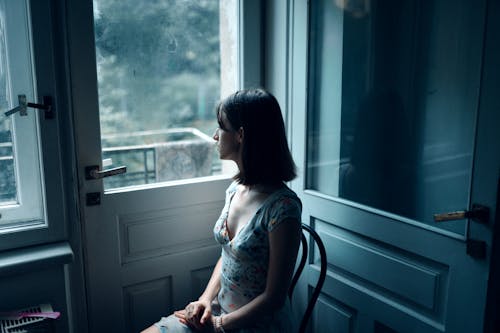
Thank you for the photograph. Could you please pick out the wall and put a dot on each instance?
(32, 276)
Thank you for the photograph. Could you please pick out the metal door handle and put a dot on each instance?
(24, 105)
(93, 172)
(478, 212)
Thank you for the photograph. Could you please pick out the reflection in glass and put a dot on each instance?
(159, 74)
(394, 94)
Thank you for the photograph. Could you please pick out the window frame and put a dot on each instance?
(251, 51)
(27, 209)
(43, 52)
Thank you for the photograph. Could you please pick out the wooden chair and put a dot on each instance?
(322, 275)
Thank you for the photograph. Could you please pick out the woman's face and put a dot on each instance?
(227, 139)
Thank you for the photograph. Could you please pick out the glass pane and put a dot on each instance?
(8, 189)
(394, 93)
(8, 192)
(159, 71)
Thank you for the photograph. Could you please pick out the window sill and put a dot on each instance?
(34, 258)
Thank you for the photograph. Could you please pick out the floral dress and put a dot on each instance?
(245, 260)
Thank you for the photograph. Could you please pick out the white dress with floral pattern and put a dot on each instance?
(245, 260)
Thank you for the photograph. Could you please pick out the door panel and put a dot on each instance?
(389, 126)
(149, 246)
(155, 250)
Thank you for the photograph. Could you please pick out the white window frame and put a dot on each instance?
(28, 208)
(39, 215)
(251, 56)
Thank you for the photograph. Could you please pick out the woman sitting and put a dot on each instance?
(258, 229)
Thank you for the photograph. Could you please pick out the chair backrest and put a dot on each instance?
(300, 268)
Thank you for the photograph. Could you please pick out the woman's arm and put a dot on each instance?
(213, 285)
(283, 247)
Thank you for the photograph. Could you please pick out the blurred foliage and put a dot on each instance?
(158, 63)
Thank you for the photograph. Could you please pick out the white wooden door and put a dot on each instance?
(149, 246)
(395, 118)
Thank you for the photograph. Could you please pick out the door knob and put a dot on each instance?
(478, 213)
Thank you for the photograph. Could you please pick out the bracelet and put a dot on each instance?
(218, 325)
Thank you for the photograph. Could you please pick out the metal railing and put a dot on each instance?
(156, 160)
(141, 159)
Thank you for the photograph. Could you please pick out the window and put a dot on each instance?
(32, 201)
(396, 93)
(21, 198)
(162, 66)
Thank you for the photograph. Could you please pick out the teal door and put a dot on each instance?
(394, 111)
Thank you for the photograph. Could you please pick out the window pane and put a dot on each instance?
(159, 72)
(394, 93)
(8, 189)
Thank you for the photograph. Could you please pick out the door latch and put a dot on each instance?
(476, 248)
(478, 213)
(23, 106)
(93, 198)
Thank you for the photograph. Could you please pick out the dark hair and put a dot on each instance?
(266, 158)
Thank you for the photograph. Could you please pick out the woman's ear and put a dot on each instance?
(240, 135)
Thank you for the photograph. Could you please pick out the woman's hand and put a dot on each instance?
(197, 315)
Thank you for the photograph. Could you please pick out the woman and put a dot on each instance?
(259, 227)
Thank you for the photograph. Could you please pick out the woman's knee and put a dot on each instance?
(151, 329)
(169, 324)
